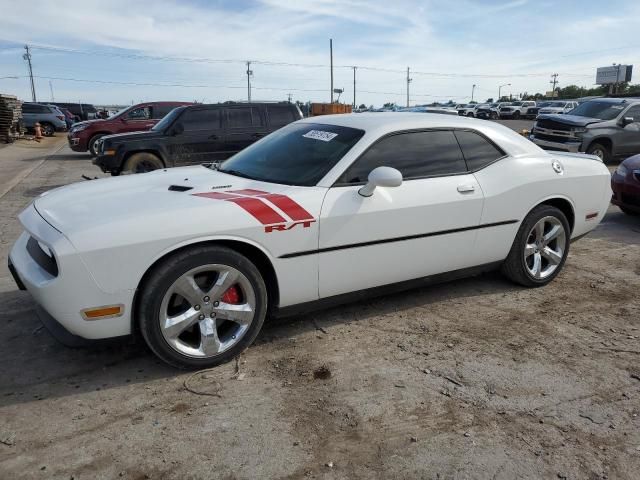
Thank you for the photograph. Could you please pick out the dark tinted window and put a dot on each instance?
(297, 154)
(194, 120)
(477, 151)
(159, 111)
(280, 115)
(245, 117)
(415, 154)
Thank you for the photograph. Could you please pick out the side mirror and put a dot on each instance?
(626, 121)
(381, 177)
(177, 129)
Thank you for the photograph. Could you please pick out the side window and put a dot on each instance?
(477, 151)
(634, 112)
(141, 113)
(196, 120)
(280, 116)
(243, 117)
(415, 154)
(26, 108)
(159, 111)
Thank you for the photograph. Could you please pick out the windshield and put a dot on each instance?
(601, 110)
(298, 154)
(167, 119)
(556, 104)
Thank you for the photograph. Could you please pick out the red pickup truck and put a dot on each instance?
(84, 135)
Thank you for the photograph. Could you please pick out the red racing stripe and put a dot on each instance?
(260, 210)
(249, 192)
(289, 206)
(215, 195)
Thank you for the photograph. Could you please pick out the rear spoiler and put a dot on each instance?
(584, 156)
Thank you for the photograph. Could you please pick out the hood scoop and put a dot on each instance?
(179, 188)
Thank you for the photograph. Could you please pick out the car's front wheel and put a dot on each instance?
(142, 162)
(93, 144)
(540, 248)
(600, 151)
(48, 130)
(202, 307)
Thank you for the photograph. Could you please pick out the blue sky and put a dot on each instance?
(451, 45)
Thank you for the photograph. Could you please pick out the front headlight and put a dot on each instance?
(78, 128)
(622, 170)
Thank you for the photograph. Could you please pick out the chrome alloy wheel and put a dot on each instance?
(545, 247)
(207, 310)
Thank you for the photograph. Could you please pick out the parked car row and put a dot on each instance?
(515, 110)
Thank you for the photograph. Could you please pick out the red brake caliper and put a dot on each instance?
(232, 295)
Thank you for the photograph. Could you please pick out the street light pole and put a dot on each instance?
(500, 89)
(472, 91)
(249, 73)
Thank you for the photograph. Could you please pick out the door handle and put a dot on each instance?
(466, 188)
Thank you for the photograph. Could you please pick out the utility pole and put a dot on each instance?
(331, 65)
(27, 57)
(554, 82)
(473, 88)
(409, 79)
(51, 89)
(354, 87)
(249, 74)
(289, 95)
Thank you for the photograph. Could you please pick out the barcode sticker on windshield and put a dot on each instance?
(320, 135)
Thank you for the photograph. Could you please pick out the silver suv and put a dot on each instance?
(606, 127)
(50, 118)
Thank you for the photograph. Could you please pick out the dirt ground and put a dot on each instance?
(476, 378)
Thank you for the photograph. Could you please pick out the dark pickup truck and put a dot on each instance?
(606, 127)
(192, 135)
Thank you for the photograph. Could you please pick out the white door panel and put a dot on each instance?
(398, 233)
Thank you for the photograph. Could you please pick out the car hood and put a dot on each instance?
(574, 120)
(134, 206)
(125, 137)
(632, 162)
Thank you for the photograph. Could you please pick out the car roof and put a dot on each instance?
(382, 123)
(615, 100)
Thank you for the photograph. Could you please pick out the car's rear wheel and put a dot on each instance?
(540, 248)
(600, 151)
(202, 307)
(142, 162)
(516, 115)
(48, 130)
(93, 144)
(470, 114)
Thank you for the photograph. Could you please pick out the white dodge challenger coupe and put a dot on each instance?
(196, 258)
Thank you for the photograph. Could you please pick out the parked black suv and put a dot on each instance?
(192, 135)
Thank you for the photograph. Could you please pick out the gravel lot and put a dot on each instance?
(471, 379)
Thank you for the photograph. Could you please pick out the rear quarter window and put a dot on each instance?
(478, 151)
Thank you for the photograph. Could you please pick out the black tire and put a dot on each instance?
(601, 151)
(516, 115)
(470, 114)
(494, 116)
(160, 279)
(92, 143)
(514, 266)
(48, 130)
(630, 212)
(142, 162)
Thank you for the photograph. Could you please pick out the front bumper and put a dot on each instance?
(76, 143)
(573, 147)
(72, 289)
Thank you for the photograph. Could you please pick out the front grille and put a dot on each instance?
(630, 199)
(47, 263)
(550, 138)
(553, 125)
